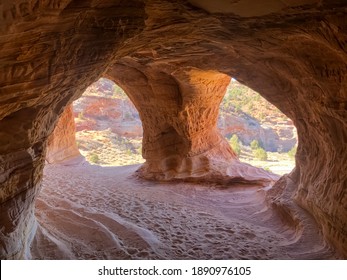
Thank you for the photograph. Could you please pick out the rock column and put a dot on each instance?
(179, 110)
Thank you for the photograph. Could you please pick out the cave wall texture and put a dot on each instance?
(61, 144)
(174, 60)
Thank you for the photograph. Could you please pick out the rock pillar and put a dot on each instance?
(179, 111)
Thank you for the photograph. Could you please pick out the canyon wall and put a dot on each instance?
(51, 51)
(61, 144)
(173, 59)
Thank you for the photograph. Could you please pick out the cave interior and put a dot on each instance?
(174, 60)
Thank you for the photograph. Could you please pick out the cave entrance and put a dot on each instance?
(109, 130)
(94, 208)
(108, 126)
(257, 131)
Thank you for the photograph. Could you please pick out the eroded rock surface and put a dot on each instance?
(279, 136)
(51, 51)
(173, 59)
(62, 142)
(103, 111)
(179, 114)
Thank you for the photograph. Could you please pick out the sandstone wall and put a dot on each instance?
(51, 51)
(61, 144)
(173, 52)
(179, 112)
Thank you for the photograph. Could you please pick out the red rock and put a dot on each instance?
(99, 112)
(179, 115)
(61, 144)
(174, 59)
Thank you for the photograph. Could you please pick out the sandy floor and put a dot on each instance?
(93, 212)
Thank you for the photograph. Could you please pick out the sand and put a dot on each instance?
(94, 212)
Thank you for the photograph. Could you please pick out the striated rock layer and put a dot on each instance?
(61, 144)
(51, 51)
(179, 114)
(173, 59)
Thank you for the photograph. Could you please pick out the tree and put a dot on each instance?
(255, 144)
(260, 154)
(235, 144)
(292, 152)
(94, 158)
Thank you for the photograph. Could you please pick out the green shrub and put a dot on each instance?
(255, 144)
(128, 116)
(80, 115)
(94, 158)
(260, 154)
(292, 152)
(235, 144)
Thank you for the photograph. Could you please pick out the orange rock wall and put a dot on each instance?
(173, 52)
(178, 117)
(51, 51)
(61, 144)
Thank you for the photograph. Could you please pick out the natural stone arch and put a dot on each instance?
(103, 109)
(294, 56)
(277, 61)
(179, 112)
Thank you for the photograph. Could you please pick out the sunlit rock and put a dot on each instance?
(173, 59)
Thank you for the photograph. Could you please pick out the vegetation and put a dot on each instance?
(80, 115)
(128, 116)
(260, 154)
(94, 158)
(292, 152)
(255, 145)
(107, 87)
(129, 152)
(240, 98)
(243, 100)
(139, 149)
(235, 144)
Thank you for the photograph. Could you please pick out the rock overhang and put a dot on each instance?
(292, 52)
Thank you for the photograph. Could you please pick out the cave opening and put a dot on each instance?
(108, 126)
(109, 130)
(257, 131)
(104, 114)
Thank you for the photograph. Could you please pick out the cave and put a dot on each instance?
(181, 54)
(108, 127)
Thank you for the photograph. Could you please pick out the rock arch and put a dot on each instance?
(179, 112)
(294, 55)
